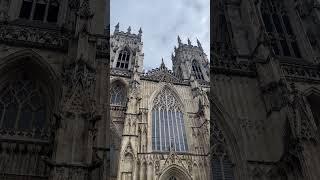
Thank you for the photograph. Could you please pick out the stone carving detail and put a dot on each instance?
(218, 142)
(71, 173)
(162, 74)
(275, 95)
(79, 78)
(300, 117)
(33, 37)
(4, 7)
(301, 73)
(233, 68)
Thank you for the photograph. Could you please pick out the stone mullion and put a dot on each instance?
(46, 11)
(149, 171)
(182, 133)
(34, 2)
(177, 128)
(160, 144)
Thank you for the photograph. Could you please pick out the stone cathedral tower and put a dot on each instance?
(54, 103)
(159, 119)
(265, 89)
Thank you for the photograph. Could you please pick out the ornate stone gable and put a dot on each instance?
(162, 74)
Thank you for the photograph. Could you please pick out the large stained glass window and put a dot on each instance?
(22, 106)
(118, 94)
(168, 131)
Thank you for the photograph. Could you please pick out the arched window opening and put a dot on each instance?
(179, 73)
(123, 59)
(172, 178)
(23, 106)
(196, 70)
(118, 94)
(314, 102)
(277, 24)
(222, 169)
(168, 129)
(40, 10)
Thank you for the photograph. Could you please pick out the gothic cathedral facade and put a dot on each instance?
(265, 89)
(160, 118)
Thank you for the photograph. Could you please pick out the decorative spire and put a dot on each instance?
(179, 40)
(116, 29)
(129, 30)
(199, 44)
(140, 33)
(189, 42)
(162, 65)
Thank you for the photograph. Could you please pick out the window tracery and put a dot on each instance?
(197, 70)
(279, 29)
(168, 130)
(172, 178)
(118, 94)
(40, 10)
(22, 106)
(123, 59)
(222, 167)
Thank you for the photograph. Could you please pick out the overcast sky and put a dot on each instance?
(161, 22)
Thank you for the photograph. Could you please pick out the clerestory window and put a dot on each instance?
(168, 130)
(40, 10)
(279, 29)
(123, 59)
(197, 70)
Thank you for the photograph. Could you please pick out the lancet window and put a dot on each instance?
(40, 10)
(279, 28)
(197, 70)
(123, 59)
(168, 129)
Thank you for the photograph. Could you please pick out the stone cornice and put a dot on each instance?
(233, 68)
(30, 36)
(300, 72)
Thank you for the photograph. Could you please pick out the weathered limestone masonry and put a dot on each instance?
(265, 88)
(160, 119)
(54, 64)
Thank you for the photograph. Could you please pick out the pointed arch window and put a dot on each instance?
(123, 59)
(23, 105)
(196, 70)
(168, 129)
(221, 166)
(40, 10)
(179, 73)
(172, 178)
(118, 94)
(279, 29)
(314, 104)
